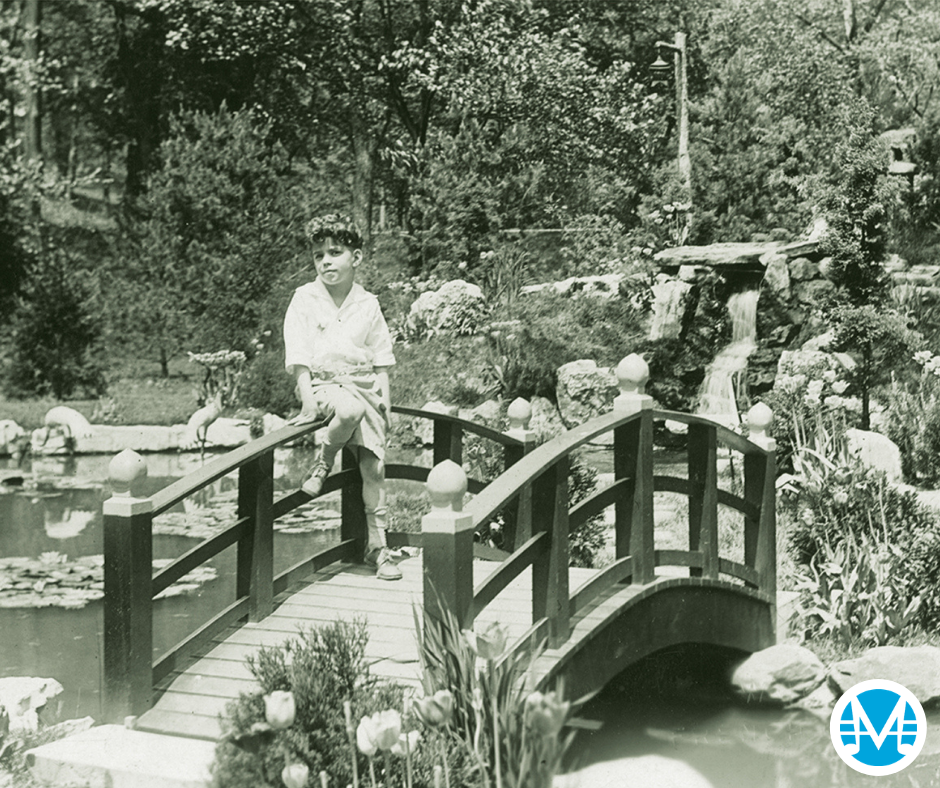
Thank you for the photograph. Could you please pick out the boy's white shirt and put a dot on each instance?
(318, 335)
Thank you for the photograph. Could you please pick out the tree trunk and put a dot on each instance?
(364, 149)
(32, 46)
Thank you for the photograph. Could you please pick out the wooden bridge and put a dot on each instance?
(647, 599)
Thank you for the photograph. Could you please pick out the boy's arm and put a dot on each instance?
(382, 377)
(309, 407)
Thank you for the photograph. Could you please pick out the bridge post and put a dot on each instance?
(550, 569)
(448, 441)
(352, 509)
(255, 562)
(128, 597)
(633, 459)
(447, 540)
(703, 497)
(518, 514)
(760, 470)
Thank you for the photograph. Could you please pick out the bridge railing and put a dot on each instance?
(130, 673)
(448, 578)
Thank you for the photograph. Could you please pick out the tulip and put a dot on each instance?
(379, 732)
(436, 710)
(406, 743)
(295, 775)
(280, 709)
(545, 714)
(491, 643)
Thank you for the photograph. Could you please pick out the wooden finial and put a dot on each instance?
(759, 420)
(632, 373)
(447, 484)
(519, 414)
(124, 470)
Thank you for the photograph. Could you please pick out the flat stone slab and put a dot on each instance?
(732, 254)
(112, 756)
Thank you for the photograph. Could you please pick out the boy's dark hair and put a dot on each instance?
(337, 226)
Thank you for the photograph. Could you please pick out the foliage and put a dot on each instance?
(855, 591)
(877, 338)
(912, 420)
(267, 386)
(221, 233)
(221, 376)
(856, 207)
(322, 667)
(510, 737)
(55, 337)
(831, 503)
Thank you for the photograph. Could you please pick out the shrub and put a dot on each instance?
(912, 421)
(266, 385)
(55, 337)
(322, 667)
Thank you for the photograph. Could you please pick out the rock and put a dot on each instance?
(670, 302)
(876, 451)
(271, 422)
(916, 667)
(602, 286)
(813, 291)
(457, 307)
(486, 413)
(819, 702)
(10, 433)
(74, 423)
(584, 391)
(546, 421)
(818, 343)
(779, 674)
(29, 700)
(648, 771)
(424, 428)
(802, 268)
(811, 363)
(777, 273)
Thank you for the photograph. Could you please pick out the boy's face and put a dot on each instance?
(336, 263)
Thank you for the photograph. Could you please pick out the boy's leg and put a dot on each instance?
(347, 412)
(373, 499)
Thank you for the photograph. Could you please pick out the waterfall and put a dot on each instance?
(723, 378)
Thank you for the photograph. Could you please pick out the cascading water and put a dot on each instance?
(718, 397)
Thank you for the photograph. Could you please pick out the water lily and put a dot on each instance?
(381, 731)
(545, 714)
(295, 775)
(406, 743)
(491, 643)
(436, 710)
(280, 709)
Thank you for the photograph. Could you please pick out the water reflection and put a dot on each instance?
(677, 704)
(58, 509)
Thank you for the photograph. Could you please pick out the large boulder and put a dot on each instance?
(584, 391)
(779, 675)
(916, 667)
(10, 435)
(777, 273)
(546, 421)
(648, 771)
(876, 451)
(28, 700)
(670, 303)
(458, 307)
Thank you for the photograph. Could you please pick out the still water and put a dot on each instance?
(678, 704)
(59, 510)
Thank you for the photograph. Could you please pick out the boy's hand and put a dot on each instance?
(305, 417)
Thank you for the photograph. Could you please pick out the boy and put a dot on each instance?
(338, 347)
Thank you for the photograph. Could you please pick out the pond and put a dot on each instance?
(678, 703)
(56, 516)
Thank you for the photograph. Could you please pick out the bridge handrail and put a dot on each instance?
(131, 584)
(544, 470)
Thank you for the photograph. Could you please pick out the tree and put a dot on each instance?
(223, 227)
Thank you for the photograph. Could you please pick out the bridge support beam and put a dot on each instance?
(128, 582)
(550, 570)
(255, 562)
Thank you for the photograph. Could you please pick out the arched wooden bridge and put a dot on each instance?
(593, 623)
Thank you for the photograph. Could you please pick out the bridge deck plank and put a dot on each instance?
(193, 698)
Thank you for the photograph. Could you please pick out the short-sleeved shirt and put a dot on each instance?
(323, 338)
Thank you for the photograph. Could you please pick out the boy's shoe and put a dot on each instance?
(318, 474)
(381, 559)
